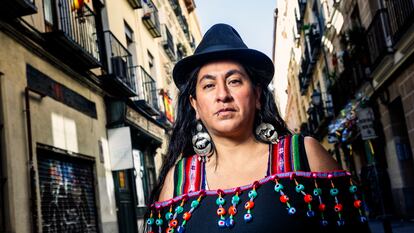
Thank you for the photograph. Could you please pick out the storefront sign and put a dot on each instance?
(366, 123)
(141, 122)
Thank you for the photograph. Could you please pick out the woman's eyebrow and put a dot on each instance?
(235, 71)
(207, 76)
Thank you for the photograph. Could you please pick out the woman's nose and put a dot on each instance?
(223, 93)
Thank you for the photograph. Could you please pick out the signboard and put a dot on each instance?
(120, 148)
(366, 123)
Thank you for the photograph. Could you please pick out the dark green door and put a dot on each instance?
(124, 191)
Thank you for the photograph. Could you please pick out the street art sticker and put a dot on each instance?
(67, 197)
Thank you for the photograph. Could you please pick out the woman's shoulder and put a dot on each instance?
(176, 176)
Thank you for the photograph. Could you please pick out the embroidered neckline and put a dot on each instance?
(291, 175)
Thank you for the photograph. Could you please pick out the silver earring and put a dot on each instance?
(267, 133)
(202, 143)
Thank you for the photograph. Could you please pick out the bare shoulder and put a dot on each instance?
(167, 191)
(319, 159)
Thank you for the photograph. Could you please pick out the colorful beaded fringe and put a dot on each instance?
(226, 217)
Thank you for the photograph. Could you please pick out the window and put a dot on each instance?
(151, 64)
(48, 11)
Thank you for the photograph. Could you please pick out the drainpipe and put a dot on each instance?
(2, 183)
(32, 171)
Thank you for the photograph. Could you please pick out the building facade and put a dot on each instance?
(354, 81)
(86, 108)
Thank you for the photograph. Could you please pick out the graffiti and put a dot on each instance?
(67, 200)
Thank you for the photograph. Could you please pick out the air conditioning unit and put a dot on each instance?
(119, 67)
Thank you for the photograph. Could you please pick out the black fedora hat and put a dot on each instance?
(222, 42)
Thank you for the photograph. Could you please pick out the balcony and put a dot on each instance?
(17, 8)
(376, 36)
(147, 99)
(168, 43)
(304, 78)
(150, 19)
(71, 34)
(299, 13)
(347, 84)
(313, 42)
(401, 16)
(135, 4)
(120, 77)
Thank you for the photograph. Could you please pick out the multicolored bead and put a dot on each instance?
(235, 200)
(307, 198)
(232, 210)
(159, 222)
(150, 221)
(249, 205)
(278, 187)
(338, 208)
(310, 213)
(248, 217)
(284, 198)
(179, 209)
(194, 203)
(229, 222)
(169, 230)
(252, 193)
(353, 189)
(292, 210)
(169, 216)
(180, 229)
(317, 192)
(173, 223)
(322, 207)
(357, 204)
(221, 223)
(186, 216)
(299, 188)
(221, 211)
(220, 201)
(334, 191)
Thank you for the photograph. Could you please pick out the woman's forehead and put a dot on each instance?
(220, 67)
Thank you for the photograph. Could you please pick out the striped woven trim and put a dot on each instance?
(295, 153)
(286, 155)
(190, 175)
(286, 175)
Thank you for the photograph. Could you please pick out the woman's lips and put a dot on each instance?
(225, 111)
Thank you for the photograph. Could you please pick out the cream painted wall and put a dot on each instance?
(88, 131)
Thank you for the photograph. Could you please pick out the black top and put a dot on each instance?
(297, 207)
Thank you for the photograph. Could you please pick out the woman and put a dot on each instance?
(232, 163)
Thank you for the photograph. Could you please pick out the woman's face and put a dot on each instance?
(226, 100)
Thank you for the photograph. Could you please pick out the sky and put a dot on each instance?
(252, 19)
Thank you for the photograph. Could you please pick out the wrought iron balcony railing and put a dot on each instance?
(401, 16)
(135, 4)
(168, 43)
(72, 33)
(120, 68)
(17, 8)
(377, 40)
(147, 96)
(150, 19)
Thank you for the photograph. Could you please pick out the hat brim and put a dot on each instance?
(251, 57)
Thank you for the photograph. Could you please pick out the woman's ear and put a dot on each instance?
(193, 102)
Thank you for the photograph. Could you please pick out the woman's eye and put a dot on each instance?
(207, 86)
(234, 81)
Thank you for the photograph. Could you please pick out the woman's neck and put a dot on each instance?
(229, 151)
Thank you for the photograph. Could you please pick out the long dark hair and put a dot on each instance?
(180, 141)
